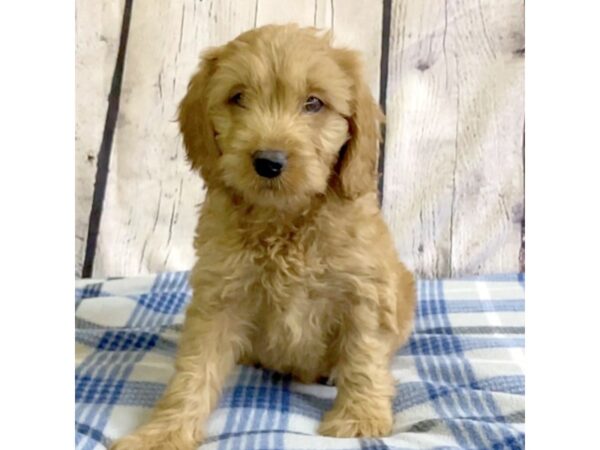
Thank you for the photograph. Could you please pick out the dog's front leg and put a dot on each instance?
(363, 405)
(209, 347)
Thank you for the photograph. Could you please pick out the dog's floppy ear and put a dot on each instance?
(195, 126)
(357, 166)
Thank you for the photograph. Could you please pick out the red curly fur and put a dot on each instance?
(298, 274)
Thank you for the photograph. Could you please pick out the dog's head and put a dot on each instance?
(280, 116)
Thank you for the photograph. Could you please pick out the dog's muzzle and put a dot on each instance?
(269, 163)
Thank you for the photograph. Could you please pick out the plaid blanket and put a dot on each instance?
(460, 379)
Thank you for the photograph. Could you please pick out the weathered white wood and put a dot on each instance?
(98, 26)
(150, 208)
(302, 12)
(453, 191)
(489, 169)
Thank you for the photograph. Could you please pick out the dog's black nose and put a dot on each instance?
(269, 163)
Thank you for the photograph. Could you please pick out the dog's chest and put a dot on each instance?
(295, 314)
(293, 334)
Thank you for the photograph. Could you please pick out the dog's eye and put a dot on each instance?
(313, 105)
(236, 99)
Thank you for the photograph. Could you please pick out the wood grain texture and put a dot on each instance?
(152, 197)
(97, 32)
(453, 191)
(150, 208)
(453, 187)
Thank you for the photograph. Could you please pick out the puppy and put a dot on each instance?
(296, 270)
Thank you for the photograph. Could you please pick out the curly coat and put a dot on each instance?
(297, 273)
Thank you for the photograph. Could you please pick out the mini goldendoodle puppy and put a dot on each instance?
(296, 269)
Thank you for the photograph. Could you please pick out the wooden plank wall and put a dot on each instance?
(453, 187)
(452, 75)
(97, 34)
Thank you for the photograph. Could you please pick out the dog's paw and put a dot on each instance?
(353, 423)
(155, 440)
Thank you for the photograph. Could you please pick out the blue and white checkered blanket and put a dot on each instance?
(460, 380)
